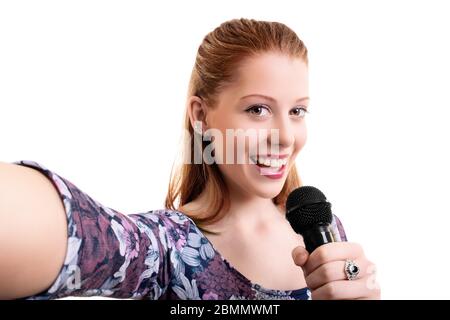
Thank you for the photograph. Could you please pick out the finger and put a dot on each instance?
(334, 251)
(373, 297)
(344, 289)
(375, 290)
(333, 271)
(300, 255)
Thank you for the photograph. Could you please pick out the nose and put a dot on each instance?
(283, 130)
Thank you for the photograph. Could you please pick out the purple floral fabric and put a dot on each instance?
(159, 254)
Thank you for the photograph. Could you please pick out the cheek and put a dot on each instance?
(238, 148)
(301, 137)
(233, 148)
(300, 140)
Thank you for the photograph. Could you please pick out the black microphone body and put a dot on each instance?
(318, 235)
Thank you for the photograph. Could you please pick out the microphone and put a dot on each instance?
(309, 214)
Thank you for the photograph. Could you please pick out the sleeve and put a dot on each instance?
(109, 253)
(338, 228)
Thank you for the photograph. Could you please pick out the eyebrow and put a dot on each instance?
(270, 98)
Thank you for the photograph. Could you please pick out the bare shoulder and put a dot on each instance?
(33, 231)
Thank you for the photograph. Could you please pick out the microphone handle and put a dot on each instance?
(318, 235)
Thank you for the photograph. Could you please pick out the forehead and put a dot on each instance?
(271, 71)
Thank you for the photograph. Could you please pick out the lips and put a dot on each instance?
(271, 173)
(270, 166)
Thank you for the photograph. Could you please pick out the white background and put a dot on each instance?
(95, 91)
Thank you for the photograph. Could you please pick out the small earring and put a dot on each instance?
(197, 128)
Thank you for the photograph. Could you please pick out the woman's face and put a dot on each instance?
(284, 82)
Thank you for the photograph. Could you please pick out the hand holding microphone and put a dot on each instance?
(332, 269)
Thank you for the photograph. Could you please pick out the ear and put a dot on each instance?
(197, 112)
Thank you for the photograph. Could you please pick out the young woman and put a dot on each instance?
(222, 233)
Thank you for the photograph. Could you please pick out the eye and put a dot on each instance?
(300, 112)
(258, 110)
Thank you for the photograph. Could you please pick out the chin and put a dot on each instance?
(260, 185)
(251, 182)
(267, 195)
(268, 192)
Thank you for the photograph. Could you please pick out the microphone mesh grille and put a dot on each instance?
(307, 206)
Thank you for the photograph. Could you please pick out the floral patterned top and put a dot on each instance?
(159, 254)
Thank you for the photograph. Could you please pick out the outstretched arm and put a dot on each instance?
(57, 241)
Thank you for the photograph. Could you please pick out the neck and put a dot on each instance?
(249, 213)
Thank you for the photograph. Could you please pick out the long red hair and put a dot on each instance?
(217, 60)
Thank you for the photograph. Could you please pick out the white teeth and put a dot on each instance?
(274, 163)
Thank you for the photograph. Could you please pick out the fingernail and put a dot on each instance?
(300, 256)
